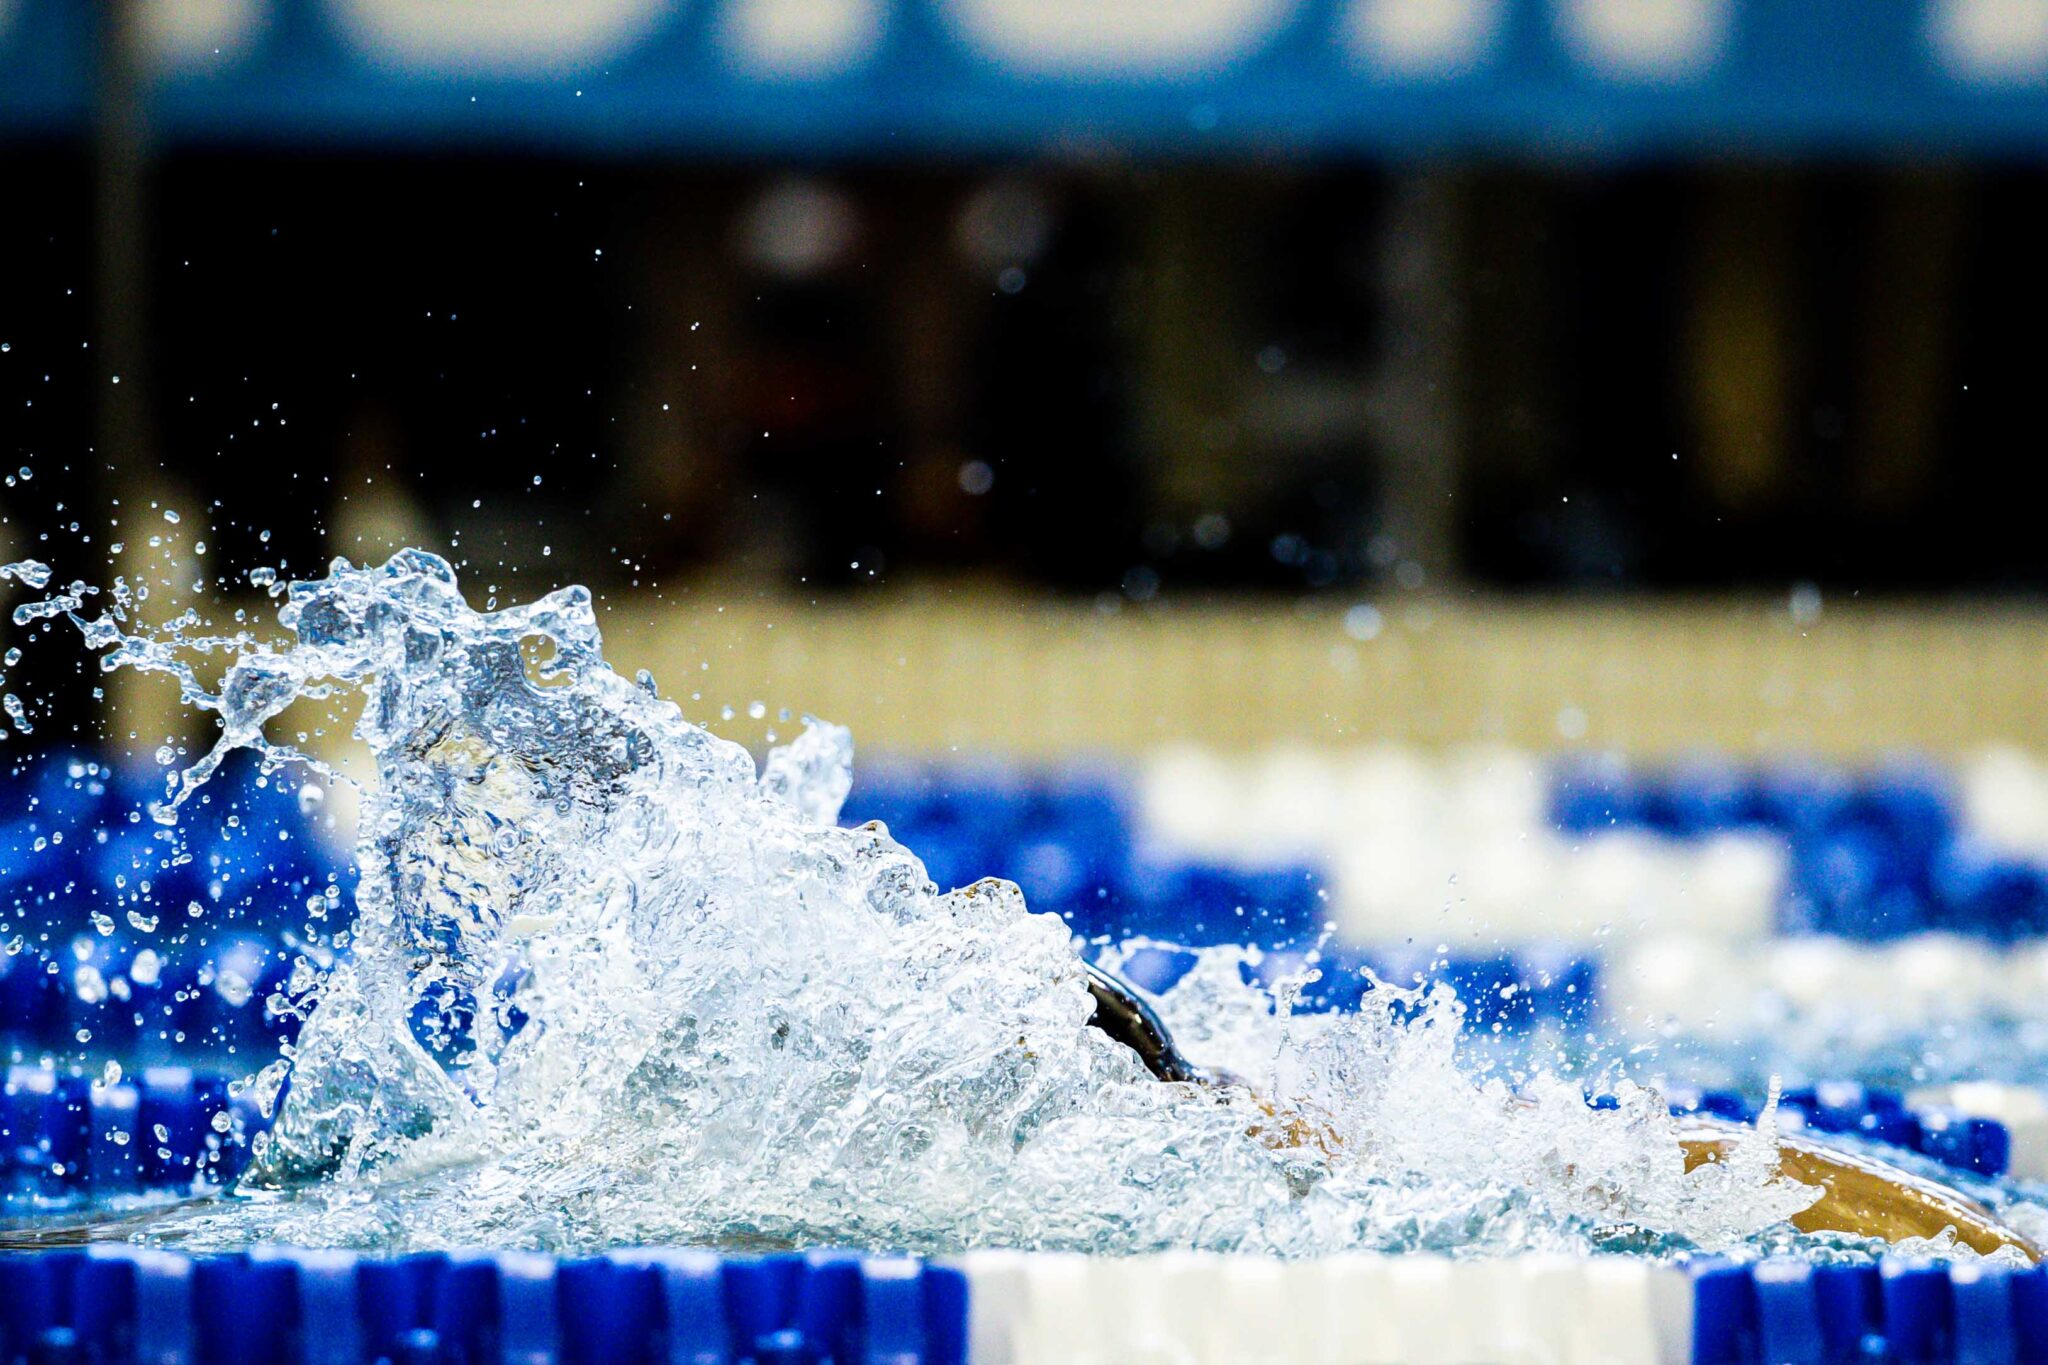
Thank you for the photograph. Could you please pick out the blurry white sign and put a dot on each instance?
(802, 38)
(1422, 38)
(1646, 39)
(1119, 37)
(200, 33)
(1992, 41)
(500, 37)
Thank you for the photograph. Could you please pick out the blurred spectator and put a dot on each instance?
(1095, 374)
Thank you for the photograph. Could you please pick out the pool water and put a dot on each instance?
(606, 982)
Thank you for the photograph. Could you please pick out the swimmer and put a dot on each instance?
(1860, 1195)
(1123, 1014)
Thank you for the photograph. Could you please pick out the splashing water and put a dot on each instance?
(609, 985)
(29, 571)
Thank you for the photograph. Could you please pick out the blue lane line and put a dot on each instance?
(79, 852)
(65, 1139)
(1874, 854)
(135, 1306)
(1903, 1312)
(1961, 1141)
(130, 1306)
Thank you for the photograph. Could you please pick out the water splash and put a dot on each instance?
(608, 984)
(30, 572)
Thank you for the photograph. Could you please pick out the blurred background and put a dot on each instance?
(1639, 371)
(1481, 474)
(1404, 328)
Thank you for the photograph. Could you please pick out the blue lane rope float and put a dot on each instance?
(1842, 1108)
(220, 999)
(129, 1305)
(79, 852)
(1874, 854)
(1963, 1142)
(136, 1306)
(65, 1138)
(1069, 838)
(137, 1000)
(1786, 1312)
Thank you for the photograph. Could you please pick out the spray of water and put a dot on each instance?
(609, 984)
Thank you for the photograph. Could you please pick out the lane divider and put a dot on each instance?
(1961, 1137)
(79, 850)
(1787, 1312)
(1516, 990)
(1688, 981)
(131, 1305)
(1499, 844)
(2021, 1110)
(1033, 1309)
(127, 1305)
(66, 1138)
(1530, 1310)
(169, 1001)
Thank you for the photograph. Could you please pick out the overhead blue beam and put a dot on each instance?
(893, 77)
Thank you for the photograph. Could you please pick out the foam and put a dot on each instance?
(610, 985)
